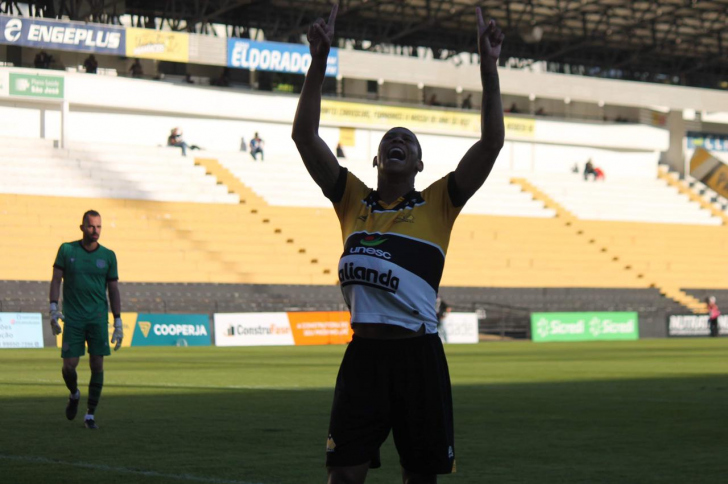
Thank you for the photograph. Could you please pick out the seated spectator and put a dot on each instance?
(175, 139)
(42, 60)
(136, 69)
(468, 102)
(433, 100)
(256, 146)
(589, 170)
(540, 112)
(223, 80)
(188, 79)
(91, 64)
(340, 151)
(598, 174)
(243, 144)
(513, 109)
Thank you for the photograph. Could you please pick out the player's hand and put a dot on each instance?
(118, 333)
(56, 314)
(490, 39)
(321, 34)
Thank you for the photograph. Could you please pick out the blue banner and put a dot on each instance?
(276, 57)
(75, 36)
(172, 330)
(711, 142)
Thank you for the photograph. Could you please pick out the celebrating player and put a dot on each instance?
(87, 270)
(394, 375)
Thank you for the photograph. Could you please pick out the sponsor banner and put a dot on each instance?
(21, 330)
(53, 34)
(710, 170)
(142, 329)
(710, 142)
(460, 328)
(320, 327)
(694, 325)
(36, 86)
(252, 329)
(358, 114)
(276, 57)
(584, 326)
(172, 330)
(157, 44)
(282, 329)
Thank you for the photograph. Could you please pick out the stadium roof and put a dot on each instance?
(616, 38)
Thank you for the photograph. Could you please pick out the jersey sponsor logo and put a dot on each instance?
(100, 263)
(372, 241)
(410, 219)
(351, 274)
(371, 251)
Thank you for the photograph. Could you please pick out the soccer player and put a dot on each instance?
(394, 374)
(87, 270)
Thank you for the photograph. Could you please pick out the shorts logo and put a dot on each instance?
(100, 263)
(330, 444)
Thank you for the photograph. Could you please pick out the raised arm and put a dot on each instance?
(477, 163)
(318, 158)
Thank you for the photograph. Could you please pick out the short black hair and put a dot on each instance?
(89, 213)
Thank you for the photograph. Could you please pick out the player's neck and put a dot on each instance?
(390, 190)
(89, 245)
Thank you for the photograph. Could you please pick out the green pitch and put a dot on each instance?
(630, 412)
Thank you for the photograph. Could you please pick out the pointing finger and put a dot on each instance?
(332, 15)
(479, 17)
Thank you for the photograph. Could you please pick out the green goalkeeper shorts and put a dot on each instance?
(75, 337)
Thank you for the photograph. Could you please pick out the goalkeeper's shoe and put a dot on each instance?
(90, 423)
(72, 407)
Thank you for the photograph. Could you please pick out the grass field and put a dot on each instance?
(650, 411)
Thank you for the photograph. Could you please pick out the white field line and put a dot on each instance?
(122, 470)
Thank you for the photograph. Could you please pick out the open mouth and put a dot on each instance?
(396, 154)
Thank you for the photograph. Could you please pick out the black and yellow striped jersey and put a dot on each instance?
(394, 254)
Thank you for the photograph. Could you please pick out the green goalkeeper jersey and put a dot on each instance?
(85, 276)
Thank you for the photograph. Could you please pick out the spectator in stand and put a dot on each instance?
(433, 100)
(468, 102)
(540, 112)
(256, 146)
(175, 139)
(340, 151)
(598, 174)
(42, 60)
(442, 309)
(91, 64)
(188, 79)
(713, 314)
(136, 69)
(513, 109)
(223, 80)
(589, 170)
(243, 144)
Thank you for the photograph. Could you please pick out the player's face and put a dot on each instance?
(91, 228)
(399, 153)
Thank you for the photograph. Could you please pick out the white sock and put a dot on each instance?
(88, 417)
(76, 395)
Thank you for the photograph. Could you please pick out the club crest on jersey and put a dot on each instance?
(366, 276)
(372, 241)
(100, 263)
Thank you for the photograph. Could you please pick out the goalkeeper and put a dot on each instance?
(87, 270)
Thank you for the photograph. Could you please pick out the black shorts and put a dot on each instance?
(401, 385)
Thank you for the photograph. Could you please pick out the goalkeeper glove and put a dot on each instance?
(118, 333)
(55, 316)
